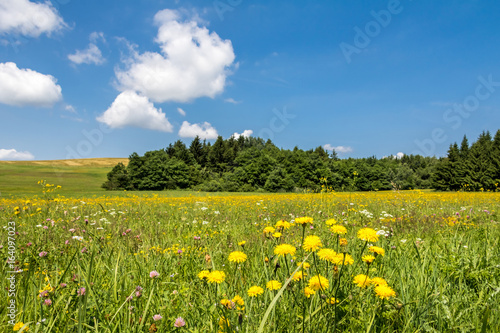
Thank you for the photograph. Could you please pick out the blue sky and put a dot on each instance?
(93, 78)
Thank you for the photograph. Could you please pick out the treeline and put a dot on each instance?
(473, 167)
(251, 164)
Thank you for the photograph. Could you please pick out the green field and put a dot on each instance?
(76, 177)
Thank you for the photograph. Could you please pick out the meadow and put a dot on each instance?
(407, 261)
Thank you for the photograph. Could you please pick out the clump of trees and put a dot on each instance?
(251, 164)
(473, 167)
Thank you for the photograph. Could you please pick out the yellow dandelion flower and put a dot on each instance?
(338, 229)
(377, 250)
(384, 291)
(18, 326)
(362, 280)
(273, 285)
(327, 254)
(255, 291)
(237, 257)
(304, 220)
(368, 258)
(269, 230)
(367, 234)
(238, 300)
(312, 243)
(332, 300)
(227, 303)
(343, 242)
(339, 259)
(331, 222)
(318, 282)
(308, 292)
(284, 249)
(283, 224)
(306, 265)
(216, 277)
(277, 235)
(242, 243)
(203, 275)
(378, 281)
(298, 276)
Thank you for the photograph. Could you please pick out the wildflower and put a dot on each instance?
(384, 291)
(308, 292)
(327, 254)
(377, 250)
(332, 300)
(312, 243)
(81, 291)
(331, 222)
(269, 230)
(203, 275)
(237, 257)
(63, 285)
(179, 322)
(368, 259)
(378, 281)
(157, 317)
(216, 277)
(368, 234)
(277, 235)
(43, 254)
(80, 238)
(18, 326)
(238, 300)
(48, 302)
(273, 285)
(223, 323)
(343, 242)
(362, 280)
(338, 229)
(84, 250)
(298, 276)
(343, 258)
(154, 274)
(242, 243)
(227, 303)
(306, 265)
(304, 220)
(255, 291)
(283, 224)
(318, 282)
(284, 249)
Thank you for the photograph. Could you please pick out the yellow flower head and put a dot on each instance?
(318, 282)
(362, 280)
(269, 230)
(255, 291)
(203, 275)
(378, 281)
(237, 257)
(327, 254)
(306, 265)
(308, 292)
(368, 258)
(277, 235)
(331, 222)
(242, 243)
(343, 242)
(332, 300)
(384, 291)
(304, 220)
(338, 229)
(284, 249)
(273, 285)
(283, 224)
(238, 300)
(18, 326)
(298, 276)
(312, 243)
(340, 259)
(216, 277)
(377, 250)
(367, 234)
(229, 304)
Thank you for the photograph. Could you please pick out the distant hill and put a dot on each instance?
(104, 162)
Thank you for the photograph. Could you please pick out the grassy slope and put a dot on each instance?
(77, 177)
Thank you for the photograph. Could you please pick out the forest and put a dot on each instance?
(248, 164)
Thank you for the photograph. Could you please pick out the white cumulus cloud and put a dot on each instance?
(181, 112)
(132, 109)
(193, 62)
(338, 149)
(246, 134)
(14, 155)
(232, 101)
(204, 131)
(91, 55)
(29, 18)
(22, 87)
